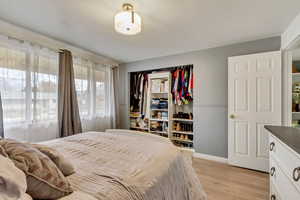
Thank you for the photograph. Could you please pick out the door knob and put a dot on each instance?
(272, 172)
(273, 197)
(232, 116)
(296, 174)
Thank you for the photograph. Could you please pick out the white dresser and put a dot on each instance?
(284, 163)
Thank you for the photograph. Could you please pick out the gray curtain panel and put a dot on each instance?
(68, 111)
(1, 119)
(116, 109)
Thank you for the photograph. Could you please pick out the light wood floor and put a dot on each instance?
(224, 182)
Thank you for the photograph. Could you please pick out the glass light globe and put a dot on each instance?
(128, 22)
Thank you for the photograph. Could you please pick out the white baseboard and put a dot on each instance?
(210, 157)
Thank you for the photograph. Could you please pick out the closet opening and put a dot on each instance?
(161, 103)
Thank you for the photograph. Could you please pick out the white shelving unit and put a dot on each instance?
(183, 137)
(291, 72)
(160, 103)
(295, 96)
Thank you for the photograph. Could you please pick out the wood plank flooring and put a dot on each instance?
(224, 182)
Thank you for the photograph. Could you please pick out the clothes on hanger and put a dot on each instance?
(139, 92)
(145, 96)
(182, 85)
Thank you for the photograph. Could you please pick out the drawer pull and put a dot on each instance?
(272, 172)
(296, 174)
(273, 197)
(272, 145)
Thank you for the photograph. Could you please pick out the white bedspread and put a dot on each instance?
(128, 166)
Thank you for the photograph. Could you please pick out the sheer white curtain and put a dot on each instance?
(28, 83)
(94, 86)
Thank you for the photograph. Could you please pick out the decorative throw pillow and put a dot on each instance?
(12, 180)
(44, 179)
(61, 162)
(26, 197)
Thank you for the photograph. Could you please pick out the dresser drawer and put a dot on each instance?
(284, 186)
(288, 160)
(274, 194)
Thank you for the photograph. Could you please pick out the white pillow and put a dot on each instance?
(12, 180)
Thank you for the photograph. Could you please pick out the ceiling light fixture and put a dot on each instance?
(128, 22)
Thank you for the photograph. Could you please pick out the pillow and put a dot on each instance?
(61, 162)
(26, 197)
(44, 179)
(12, 180)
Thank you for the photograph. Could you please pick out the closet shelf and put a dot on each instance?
(160, 93)
(140, 128)
(181, 140)
(183, 120)
(160, 120)
(186, 149)
(183, 132)
(156, 109)
(135, 116)
(162, 132)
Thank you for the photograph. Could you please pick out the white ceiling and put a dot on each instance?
(169, 26)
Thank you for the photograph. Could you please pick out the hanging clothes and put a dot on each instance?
(135, 82)
(181, 88)
(139, 92)
(182, 85)
(144, 96)
(175, 80)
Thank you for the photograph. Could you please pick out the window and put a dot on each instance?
(13, 84)
(90, 82)
(44, 88)
(100, 92)
(82, 84)
(28, 85)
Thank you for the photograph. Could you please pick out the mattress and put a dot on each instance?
(128, 166)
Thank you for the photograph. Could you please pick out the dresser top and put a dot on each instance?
(288, 135)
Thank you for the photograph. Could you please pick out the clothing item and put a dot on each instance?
(139, 87)
(182, 85)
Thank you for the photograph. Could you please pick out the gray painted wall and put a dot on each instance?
(210, 94)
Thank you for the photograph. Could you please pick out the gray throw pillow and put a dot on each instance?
(44, 179)
(61, 162)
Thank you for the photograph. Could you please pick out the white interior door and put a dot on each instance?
(254, 100)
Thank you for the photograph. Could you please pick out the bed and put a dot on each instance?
(128, 166)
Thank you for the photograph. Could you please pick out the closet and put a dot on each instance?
(161, 103)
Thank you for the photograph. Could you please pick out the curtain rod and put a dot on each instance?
(35, 44)
(20, 33)
(56, 50)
